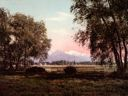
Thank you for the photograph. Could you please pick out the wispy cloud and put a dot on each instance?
(64, 14)
(60, 32)
(75, 53)
(60, 16)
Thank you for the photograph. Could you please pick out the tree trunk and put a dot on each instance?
(125, 55)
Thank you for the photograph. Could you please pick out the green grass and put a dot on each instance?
(16, 85)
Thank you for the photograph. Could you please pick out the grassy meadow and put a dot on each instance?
(20, 85)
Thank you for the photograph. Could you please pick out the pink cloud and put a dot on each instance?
(68, 45)
(74, 46)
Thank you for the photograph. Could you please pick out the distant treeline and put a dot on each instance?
(63, 62)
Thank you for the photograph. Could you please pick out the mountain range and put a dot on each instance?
(67, 56)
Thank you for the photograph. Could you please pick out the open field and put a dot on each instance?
(80, 67)
(16, 85)
(90, 80)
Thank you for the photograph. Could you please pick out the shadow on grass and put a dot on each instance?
(87, 75)
(60, 84)
(81, 75)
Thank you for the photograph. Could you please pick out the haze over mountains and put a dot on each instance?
(68, 56)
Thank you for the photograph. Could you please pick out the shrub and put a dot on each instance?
(70, 70)
(35, 71)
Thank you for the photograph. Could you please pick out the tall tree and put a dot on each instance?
(31, 38)
(106, 30)
(4, 36)
(22, 38)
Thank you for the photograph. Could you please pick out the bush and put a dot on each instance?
(70, 70)
(35, 71)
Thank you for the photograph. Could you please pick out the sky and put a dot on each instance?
(58, 20)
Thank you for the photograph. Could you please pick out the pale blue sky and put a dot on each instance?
(57, 17)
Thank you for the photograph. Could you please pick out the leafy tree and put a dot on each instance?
(31, 38)
(106, 30)
(22, 39)
(4, 36)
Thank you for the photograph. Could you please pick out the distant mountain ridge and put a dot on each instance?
(59, 55)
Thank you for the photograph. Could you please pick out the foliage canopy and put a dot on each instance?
(106, 29)
(22, 38)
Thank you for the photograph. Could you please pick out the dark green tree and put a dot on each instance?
(106, 29)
